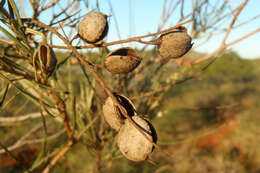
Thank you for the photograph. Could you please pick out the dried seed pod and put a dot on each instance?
(133, 145)
(93, 27)
(174, 44)
(47, 59)
(122, 60)
(111, 113)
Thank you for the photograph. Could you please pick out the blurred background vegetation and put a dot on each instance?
(188, 112)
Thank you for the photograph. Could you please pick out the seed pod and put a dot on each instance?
(112, 114)
(174, 44)
(122, 60)
(93, 27)
(133, 145)
(47, 59)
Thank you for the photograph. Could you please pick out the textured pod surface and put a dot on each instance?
(93, 27)
(133, 145)
(174, 44)
(47, 59)
(112, 116)
(122, 60)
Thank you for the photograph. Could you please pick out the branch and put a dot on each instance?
(162, 89)
(132, 39)
(67, 147)
(244, 37)
(11, 42)
(223, 45)
(170, 85)
(55, 160)
(48, 6)
(240, 8)
(206, 57)
(87, 127)
(20, 118)
(21, 142)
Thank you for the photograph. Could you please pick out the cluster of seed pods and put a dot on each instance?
(131, 142)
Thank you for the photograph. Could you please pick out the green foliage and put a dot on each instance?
(230, 66)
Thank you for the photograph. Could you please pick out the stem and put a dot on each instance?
(132, 39)
(44, 39)
(55, 160)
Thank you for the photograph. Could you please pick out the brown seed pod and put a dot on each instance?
(93, 27)
(122, 60)
(112, 114)
(174, 44)
(133, 145)
(47, 59)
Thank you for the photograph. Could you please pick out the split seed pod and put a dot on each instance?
(93, 27)
(47, 59)
(122, 60)
(112, 114)
(132, 143)
(174, 44)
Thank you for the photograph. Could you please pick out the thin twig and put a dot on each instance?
(240, 8)
(11, 42)
(48, 6)
(219, 50)
(20, 118)
(55, 160)
(132, 39)
(170, 85)
(22, 142)
(87, 127)
(242, 38)
(15, 158)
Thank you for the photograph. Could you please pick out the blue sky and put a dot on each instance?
(139, 17)
(147, 14)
